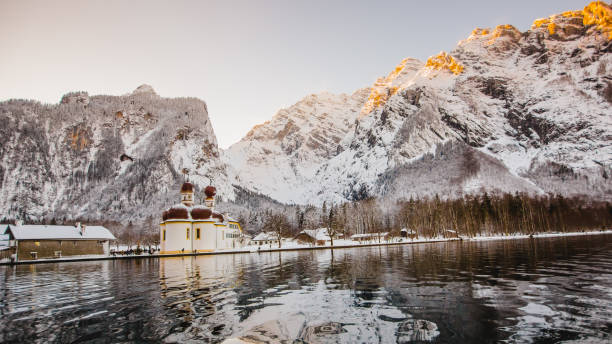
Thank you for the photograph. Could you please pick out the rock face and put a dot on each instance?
(281, 157)
(104, 157)
(504, 111)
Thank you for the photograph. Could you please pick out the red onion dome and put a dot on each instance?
(200, 213)
(177, 212)
(187, 187)
(165, 215)
(210, 191)
(217, 216)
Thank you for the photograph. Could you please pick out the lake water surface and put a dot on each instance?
(542, 290)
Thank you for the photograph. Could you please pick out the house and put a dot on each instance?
(370, 237)
(265, 238)
(319, 236)
(189, 228)
(31, 242)
(408, 233)
(450, 233)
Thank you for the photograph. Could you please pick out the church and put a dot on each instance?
(189, 228)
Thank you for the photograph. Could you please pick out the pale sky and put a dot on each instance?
(247, 59)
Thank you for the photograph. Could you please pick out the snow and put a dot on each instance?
(554, 95)
(31, 232)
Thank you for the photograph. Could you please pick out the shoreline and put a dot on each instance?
(305, 247)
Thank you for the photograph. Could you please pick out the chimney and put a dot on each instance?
(83, 230)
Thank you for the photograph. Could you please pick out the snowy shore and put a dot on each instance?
(338, 244)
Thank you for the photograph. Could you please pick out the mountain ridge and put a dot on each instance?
(504, 111)
(535, 101)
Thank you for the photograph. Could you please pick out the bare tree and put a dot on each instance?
(332, 225)
(279, 224)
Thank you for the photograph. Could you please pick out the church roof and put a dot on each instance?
(187, 187)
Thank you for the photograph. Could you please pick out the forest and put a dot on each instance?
(467, 216)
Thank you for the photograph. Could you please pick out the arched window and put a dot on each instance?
(197, 233)
(187, 231)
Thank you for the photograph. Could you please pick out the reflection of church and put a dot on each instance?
(191, 229)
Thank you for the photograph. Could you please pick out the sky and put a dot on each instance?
(247, 59)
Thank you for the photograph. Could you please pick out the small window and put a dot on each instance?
(198, 233)
(164, 235)
(34, 255)
(187, 231)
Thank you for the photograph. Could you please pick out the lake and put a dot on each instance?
(529, 290)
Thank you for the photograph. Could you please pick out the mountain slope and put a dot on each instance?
(104, 157)
(531, 110)
(280, 157)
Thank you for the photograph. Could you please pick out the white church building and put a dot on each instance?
(189, 228)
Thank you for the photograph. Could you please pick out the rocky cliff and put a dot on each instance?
(116, 158)
(503, 111)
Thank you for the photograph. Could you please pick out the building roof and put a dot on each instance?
(187, 187)
(32, 232)
(265, 236)
(408, 230)
(368, 235)
(210, 191)
(318, 234)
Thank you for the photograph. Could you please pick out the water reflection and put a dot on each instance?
(515, 291)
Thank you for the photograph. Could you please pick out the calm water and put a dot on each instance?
(544, 290)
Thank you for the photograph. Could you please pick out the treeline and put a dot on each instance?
(503, 214)
(471, 215)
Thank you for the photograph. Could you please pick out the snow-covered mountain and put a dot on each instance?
(116, 158)
(505, 110)
(280, 157)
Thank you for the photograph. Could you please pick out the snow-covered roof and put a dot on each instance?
(408, 230)
(318, 234)
(367, 235)
(33, 232)
(265, 236)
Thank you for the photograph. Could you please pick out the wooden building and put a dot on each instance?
(263, 238)
(31, 242)
(319, 236)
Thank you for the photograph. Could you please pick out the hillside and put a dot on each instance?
(503, 111)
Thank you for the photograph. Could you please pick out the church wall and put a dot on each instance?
(176, 237)
(207, 236)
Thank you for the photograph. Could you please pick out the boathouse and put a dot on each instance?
(189, 228)
(32, 242)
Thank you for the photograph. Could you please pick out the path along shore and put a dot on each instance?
(295, 247)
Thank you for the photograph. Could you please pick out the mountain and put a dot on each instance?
(102, 157)
(280, 157)
(503, 111)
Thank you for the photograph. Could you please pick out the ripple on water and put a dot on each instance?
(557, 289)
